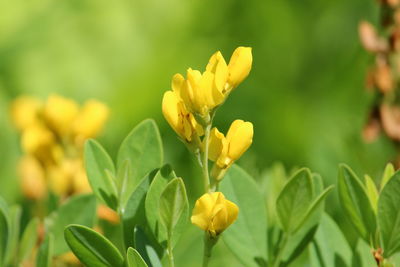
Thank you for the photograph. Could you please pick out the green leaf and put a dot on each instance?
(152, 202)
(15, 222)
(45, 253)
(173, 202)
(331, 245)
(143, 149)
(362, 256)
(356, 204)
(389, 216)
(100, 172)
(79, 209)
(134, 259)
(247, 236)
(387, 174)
(134, 212)
(294, 200)
(316, 206)
(28, 240)
(4, 229)
(150, 252)
(91, 248)
(300, 238)
(372, 192)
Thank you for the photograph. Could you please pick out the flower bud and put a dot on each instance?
(239, 65)
(213, 213)
(225, 150)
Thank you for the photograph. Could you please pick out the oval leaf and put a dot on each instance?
(389, 216)
(294, 200)
(29, 239)
(79, 209)
(91, 248)
(173, 202)
(247, 236)
(98, 166)
(356, 204)
(143, 149)
(134, 212)
(45, 253)
(4, 229)
(134, 259)
(152, 202)
(15, 221)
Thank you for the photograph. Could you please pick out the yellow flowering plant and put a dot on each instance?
(143, 198)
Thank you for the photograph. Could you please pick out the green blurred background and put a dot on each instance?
(305, 94)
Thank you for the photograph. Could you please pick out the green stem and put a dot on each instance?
(283, 244)
(209, 243)
(170, 254)
(206, 177)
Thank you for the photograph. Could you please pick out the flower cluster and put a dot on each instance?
(190, 108)
(52, 137)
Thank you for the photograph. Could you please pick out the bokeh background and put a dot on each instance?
(305, 94)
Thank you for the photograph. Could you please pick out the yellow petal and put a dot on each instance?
(215, 144)
(206, 87)
(196, 93)
(239, 137)
(213, 213)
(239, 65)
(170, 110)
(232, 211)
(202, 211)
(177, 82)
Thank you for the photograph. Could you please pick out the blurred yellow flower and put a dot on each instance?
(60, 113)
(225, 150)
(178, 117)
(52, 136)
(36, 139)
(32, 177)
(213, 213)
(25, 111)
(90, 120)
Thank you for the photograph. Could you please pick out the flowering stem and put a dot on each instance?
(206, 177)
(209, 243)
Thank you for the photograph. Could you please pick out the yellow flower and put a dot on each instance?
(25, 111)
(90, 120)
(239, 65)
(177, 115)
(33, 181)
(225, 150)
(213, 213)
(203, 92)
(60, 112)
(37, 139)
